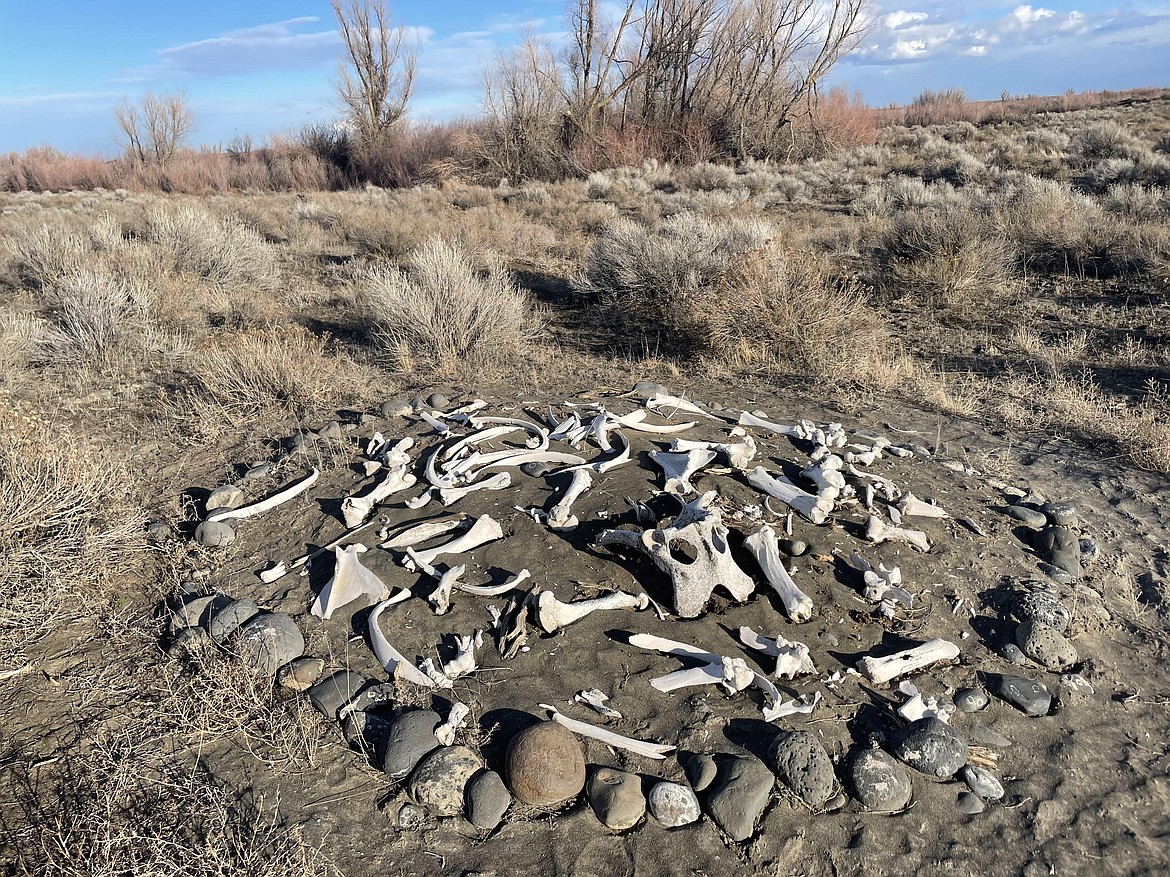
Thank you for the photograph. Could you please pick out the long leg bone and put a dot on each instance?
(813, 508)
(884, 669)
(552, 614)
(764, 545)
(876, 531)
(748, 419)
(356, 509)
(440, 598)
(678, 468)
(484, 530)
(561, 517)
(638, 747)
(350, 581)
(281, 496)
(393, 660)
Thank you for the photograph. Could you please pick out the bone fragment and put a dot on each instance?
(792, 658)
(637, 422)
(748, 419)
(919, 707)
(552, 614)
(765, 547)
(389, 657)
(494, 590)
(733, 674)
(451, 495)
(437, 677)
(440, 598)
(810, 507)
(911, 506)
(739, 454)
(434, 423)
(512, 631)
(456, 719)
(876, 530)
(561, 517)
(274, 572)
(827, 476)
(484, 530)
(678, 468)
(880, 670)
(356, 509)
(425, 532)
(638, 747)
(350, 581)
(477, 438)
(464, 661)
(281, 496)
(596, 699)
(881, 584)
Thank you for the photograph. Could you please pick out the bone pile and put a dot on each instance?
(421, 506)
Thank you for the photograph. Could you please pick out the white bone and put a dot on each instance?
(810, 507)
(748, 419)
(425, 532)
(356, 509)
(437, 677)
(596, 699)
(451, 495)
(270, 575)
(440, 598)
(560, 518)
(919, 707)
(678, 468)
(374, 445)
(456, 719)
(552, 614)
(417, 502)
(494, 590)
(895, 515)
(765, 547)
(803, 706)
(733, 674)
(350, 581)
(519, 458)
(281, 496)
(434, 423)
(827, 476)
(636, 422)
(881, 584)
(792, 658)
(463, 410)
(562, 428)
(484, 530)
(395, 455)
(464, 661)
(880, 670)
(876, 531)
(912, 506)
(476, 438)
(496, 616)
(389, 657)
(369, 467)
(739, 454)
(638, 747)
(662, 400)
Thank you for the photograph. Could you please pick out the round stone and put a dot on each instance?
(1012, 653)
(215, 534)
(1044, 607)
(366, 733)
(226, 497)
(269, 641)
(395, 408)
(1045, 645)
(1027, 515)
(971, 700)
(673, 804)
(878, 781)
(410, 817)
(649, 389)
(1028, 696)
(739, 795)
(616, 798)
(195, 611)
(802, 763)
(260, 470)
(793, 547)
(335, 691)
(438, 400)
(191, 642)
(440, 780)
(931, 747)
(969, 804)
(412, 736)
(487, 800)
(982, 782)
(700, 770)
(299, 675)
(331, 430)
(226, 621)
(544, 765)
(418, 403)
(1061, 514)
(1058, 574)
(158, 531)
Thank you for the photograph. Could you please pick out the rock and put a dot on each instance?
(1060, 514)
(300, 674)
(1074, 685)
(331, 430)
(395, 408)
(931, 747)
(971, 700)
(418, 403)
(269, 641)
(335, 691)
(616, 798)
(1045, 645)
(918, 450)
(439, 782)
(1031, 517)
(191, 642)
(984, 736)
(649, 389)
(969, 804)
(829, 639)
(536, 469)
(739, 795)
(793, 547)
(255, 473)
(412, 736)
(982, 782)
(1012, 653)
(673, 804)
(878, 781)
(1089, 551)
(377, 694)
(438, 400)
(487, 800)
(410, 817)
(226, 497)
(1030, 698)
(226, 621)
(802, 763)
(1054, 538)
(215, 534)
(544, 765)
(1057, 574)
(366, 733)
(700, 770)
(1069, 560)
(158, 531)
(195, 611)
(1044, 607)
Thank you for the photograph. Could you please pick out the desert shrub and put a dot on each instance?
(1137, 203)
(897, 194)
(952, 163)
(600, 184)
(442, 312)
(22, 338)
(220, 250)
(1104, 140)
(707, 177)
(93, 311)
(39, 255)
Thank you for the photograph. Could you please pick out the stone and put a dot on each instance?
(971, 700)
(255, 473)
(158, 531)
(1074, 685)
(195, 611)
(300, 674)
(487, 800)
(410, 817)
(649, 389)
(802, 763)
(1058, 574)
(366, 733)
(1012, 653)
(411, 737)
(981, 735)
(1069, 560)
(793, 547)
(269, 641)
(1044, 607)
(418, 403)
(439, 782)
(215, 534)
(673, 804)
(335, 691)
(191, 642)
(226, 497)
(1060, 514)
(395, 408)
(969, 804)
(544, 765)
(739, 795)
(982, 782)
(1045, 645)
(931, 747)
(227, 620)
(536, 469)
(878, 781)
(438, 400)
(616, 798)
(372, 696)
(331, 430)
(1053, 538)
(700, 770)
(1026, 514)
(1029, 697)
(1089, 551)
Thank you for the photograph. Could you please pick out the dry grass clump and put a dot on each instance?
(93, 311)
(40, 255)
(221, 250)
(449, 308)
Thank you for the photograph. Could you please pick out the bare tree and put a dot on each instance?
(376, 83)
(602, 63)
(155, 129)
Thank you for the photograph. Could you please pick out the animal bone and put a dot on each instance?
(881, 585)
(748, 419)
(810, 507)
(792, 658)
(636, 421)
(281, 496)
(552, 614)
(739, 454)
(675, 404)
(437, 677)
(597, 699)
(434, 423)
(484, 530)
(764, 545)
(356, 509)
(395, 455)
(678, 468)
(538, 435)
(389, 657)
(350, 581)
(912, 506)
(638, 747)
(440, 598)
(450, 495)
(731, 673)
(476, 438)
(494, 590)
(877, 531)
(560, 518)
(456, 719)
(464, 660)
(461, 413)
(274, 572)
(512, 631)
(880, 670)
(827, 476)
(422, 499)
(919, 707)
(425, 532)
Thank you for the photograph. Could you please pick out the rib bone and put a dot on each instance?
(393, 660)
(281, 496)
(450, 495)
(561, 518)
(638, 747)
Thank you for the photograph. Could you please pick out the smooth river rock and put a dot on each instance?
(616, 797)
(1028, 696)
(700, 769)
(439, 782)
(982, 782)
(269, 641)
(673, 804)
(226, 621)
(487, 800)
(545, 765)
(878, 781)
(739, 795)
(931, 747)
(335, 691)
(411, 736)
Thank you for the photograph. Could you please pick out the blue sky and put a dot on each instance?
(267, 67)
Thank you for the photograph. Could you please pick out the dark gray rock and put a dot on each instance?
(255, 473)
(1044, 607)
(673, 804)
(969, 804)
(878, 781)
(919, 450)
(226, 497)
(648, 389)
(700, 770)
(545, 765)
(1053, 538)
(793, 547)
(1061, 514)
(366, 733)
(1069, 560)
(438, 400)
(300, 674)
(931, 747)
(226, 621)
(982, 782)
(487, 800)
(1012, 653)
(616, 798)
(981, 735)
(395, 408)
(192, 643)
(536, 469)
(268, 642)
(1029, 697)
(1058, 574)
(803, 765)
(1028, 515)
(1045, 645)
(378, 694)
(215, 534)
(439, 782)
(971, 700)
(335, 691)
(331, 430)
(411, 736)
(739, 795)
(158, 531)
(418, 403)
(195, 611)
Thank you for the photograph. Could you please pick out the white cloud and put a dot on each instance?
(895, 20)
(1026, 15)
